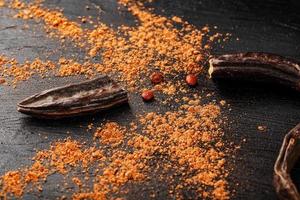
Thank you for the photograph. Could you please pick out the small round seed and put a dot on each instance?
(147, 95)
(156, 77)
(2, 81)
(191, 79)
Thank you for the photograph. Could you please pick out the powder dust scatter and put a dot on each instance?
(15, 72)
(54, 20)
(2, 3)
(188, 141)
(262, 128)
(61, 156)
(110, 133)
(133, 52)
(69, 67)
(21, 72)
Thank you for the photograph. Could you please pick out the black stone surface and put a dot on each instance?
(269, 25)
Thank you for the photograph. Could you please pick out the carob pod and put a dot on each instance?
(256, 66)
(288, 155)
(82, 98)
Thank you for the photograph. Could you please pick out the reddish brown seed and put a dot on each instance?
(156, 77)
(147, 95)
(2, 81)
(191, 79)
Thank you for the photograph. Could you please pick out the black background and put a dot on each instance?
(261, 25)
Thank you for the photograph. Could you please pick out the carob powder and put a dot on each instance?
(183, 147)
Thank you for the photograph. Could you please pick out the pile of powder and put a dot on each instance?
(133, 52)
(52, 19)
(59, 158)
(188, 141)
(110, 133)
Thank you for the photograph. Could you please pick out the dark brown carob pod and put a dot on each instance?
(82, 98)
(256, 66)
(288, 155)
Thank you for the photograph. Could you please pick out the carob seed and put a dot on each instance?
(256, 66)
(191, 79)
(147, 95)
(156, 77)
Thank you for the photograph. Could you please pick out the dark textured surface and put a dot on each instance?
(270, 25)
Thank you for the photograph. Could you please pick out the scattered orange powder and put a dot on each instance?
(188, 140)
(110, 133)
(36, 172)
(2, 3)
(60, 158)
(195, 146)
(133, 52)
(70, 67)
(177, 19)
(77, 181)
(192, 133)
(12, 184)
(54, 20)
(10, 68)
(22, 72)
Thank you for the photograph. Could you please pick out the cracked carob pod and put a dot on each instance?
(82, 98)
(256, 66)
(288, 155)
